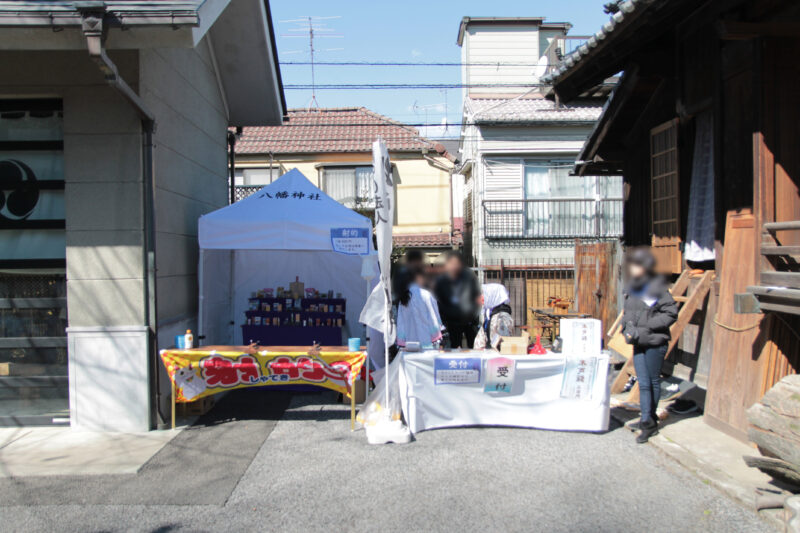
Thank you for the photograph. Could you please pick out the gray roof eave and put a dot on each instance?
(63, 14)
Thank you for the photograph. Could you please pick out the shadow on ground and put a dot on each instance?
(201, 465)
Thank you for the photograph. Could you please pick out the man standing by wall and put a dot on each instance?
(457, 291)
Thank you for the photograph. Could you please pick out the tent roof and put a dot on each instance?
(289, 214)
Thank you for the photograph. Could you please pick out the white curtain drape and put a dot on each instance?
(339, 185)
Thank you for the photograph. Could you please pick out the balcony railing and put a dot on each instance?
(561, 47)
(243, 191)
(552, 218)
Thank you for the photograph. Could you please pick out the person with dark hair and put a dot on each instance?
(458, 292)
(414, 257)
(649, 311)
(417, 314)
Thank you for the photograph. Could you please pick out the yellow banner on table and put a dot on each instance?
(198, 373)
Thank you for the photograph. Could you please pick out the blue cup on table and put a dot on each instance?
(354, 344)
(180, 342)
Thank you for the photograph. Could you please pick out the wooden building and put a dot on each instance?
(703, 126)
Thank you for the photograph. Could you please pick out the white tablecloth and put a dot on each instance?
(535, 401)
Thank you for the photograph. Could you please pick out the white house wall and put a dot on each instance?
(513, 43)
(180, 87)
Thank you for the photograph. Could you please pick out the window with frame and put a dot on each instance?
(256, 176)
(561, 205)
(350, 186)
(665, 197)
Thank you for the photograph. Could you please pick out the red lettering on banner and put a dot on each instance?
(311, 370)
(249, 369)
(218, 371)
(284, 366)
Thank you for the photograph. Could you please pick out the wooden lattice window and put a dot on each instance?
(665, 196)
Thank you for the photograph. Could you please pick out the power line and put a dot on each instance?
(413, 64)
(384, 86)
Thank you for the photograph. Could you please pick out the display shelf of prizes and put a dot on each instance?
(279, 318)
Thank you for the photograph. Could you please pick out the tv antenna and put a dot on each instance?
(311, 27)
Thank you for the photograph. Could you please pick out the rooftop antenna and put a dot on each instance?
(311, 26)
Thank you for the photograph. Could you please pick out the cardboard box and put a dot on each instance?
(195, 408)
(515, 345)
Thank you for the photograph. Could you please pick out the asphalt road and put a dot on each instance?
(312, 474)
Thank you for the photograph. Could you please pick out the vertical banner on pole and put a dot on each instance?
(383, 191)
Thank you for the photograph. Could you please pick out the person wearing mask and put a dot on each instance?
(649, 311)
(457, 292)
(496, 317)
(417, 313)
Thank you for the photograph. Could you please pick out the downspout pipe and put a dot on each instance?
(94, 29)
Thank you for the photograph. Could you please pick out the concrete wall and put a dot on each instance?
(104, 224)
(190, 163)
(422, 192)
(105, 288)
(102, 171)
(190, 158)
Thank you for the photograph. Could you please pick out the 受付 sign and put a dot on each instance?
(456, 370)
(350, 241)
(499, 375)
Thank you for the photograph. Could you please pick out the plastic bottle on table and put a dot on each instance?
(188, 340)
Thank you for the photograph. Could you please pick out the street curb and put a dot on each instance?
(710, 475)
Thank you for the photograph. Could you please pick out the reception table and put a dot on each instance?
(484, 388)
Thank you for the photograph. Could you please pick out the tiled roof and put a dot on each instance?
(526, 110)
(626, 9)
(350, 129)
(426, 240)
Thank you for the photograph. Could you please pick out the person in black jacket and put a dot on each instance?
(649, 312)
(457, 292)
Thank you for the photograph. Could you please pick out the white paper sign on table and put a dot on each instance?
(581, 336)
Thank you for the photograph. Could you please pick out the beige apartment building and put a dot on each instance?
(333, 148)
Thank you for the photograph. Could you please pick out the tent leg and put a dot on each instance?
(353, 405)
(173, 403)
(201, 330)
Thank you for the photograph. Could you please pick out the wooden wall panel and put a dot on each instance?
(597, 280)
(735, 378)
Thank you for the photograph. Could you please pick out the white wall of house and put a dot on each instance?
(513, 49)
(107, 338)
(498, 174)
(180, 86)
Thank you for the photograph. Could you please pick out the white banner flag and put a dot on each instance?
(383, 192)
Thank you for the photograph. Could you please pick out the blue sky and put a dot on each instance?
(405, 31)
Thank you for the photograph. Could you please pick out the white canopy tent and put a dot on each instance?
(267, 239)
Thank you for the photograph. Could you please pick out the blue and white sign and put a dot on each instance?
(350, 241)
(456, 370)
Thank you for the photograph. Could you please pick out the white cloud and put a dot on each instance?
(416, 52)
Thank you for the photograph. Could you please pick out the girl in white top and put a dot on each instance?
(417, 313)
